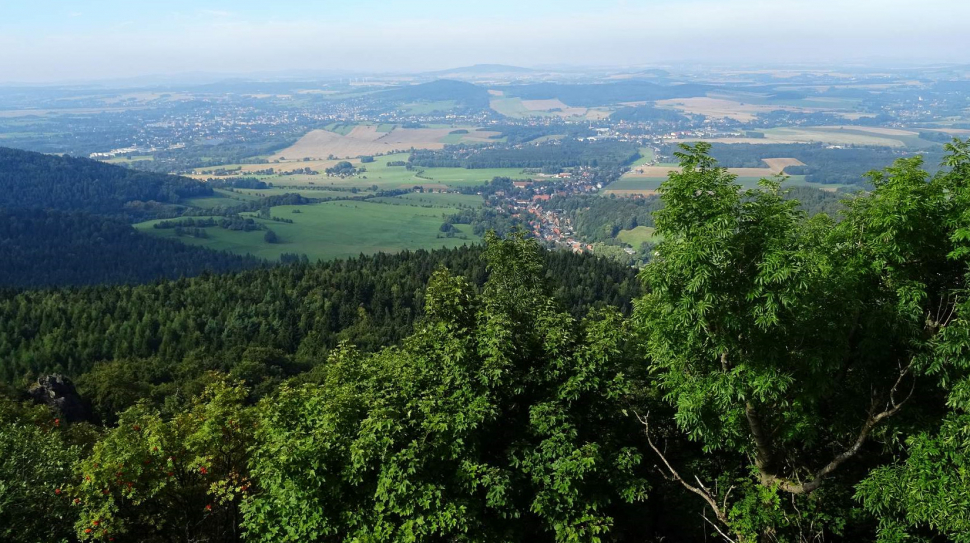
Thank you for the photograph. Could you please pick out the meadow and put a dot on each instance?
(337, 229)
(638, 236)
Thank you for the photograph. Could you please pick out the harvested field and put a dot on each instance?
(952, 131)
(778, 165)
(720, 108)
(874, 130)
(662, 171)
(368, 140)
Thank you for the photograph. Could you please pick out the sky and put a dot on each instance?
(86, 40)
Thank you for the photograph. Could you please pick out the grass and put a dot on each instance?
(385, 127)
(220, 198)
(447, 200)
(637, 236)
(302, 191)
(332, 230)
(646, 156)
(396, 177)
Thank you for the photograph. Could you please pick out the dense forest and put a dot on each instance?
(465, 94)
(648, 114)
(45, 247)
(63, 221)
(300, 310)
(599, 219)
(36, 181)
(780, 377)
(556, 154)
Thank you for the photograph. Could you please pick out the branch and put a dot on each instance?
(765, 454)
(700, 491)
(871, 421)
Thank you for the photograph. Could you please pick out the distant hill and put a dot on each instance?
(482, 69)
(31, 180)
(466, 94)
(63, 222)
(601, 94)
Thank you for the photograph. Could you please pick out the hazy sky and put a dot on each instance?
(53, 40)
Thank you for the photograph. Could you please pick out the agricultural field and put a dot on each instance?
(834, 135)
(371, 140)
(745, 107)
(638, 236)
(389, 177)
(774, 166)
(516, 108)
(647, 155)
(221, 198)
(331, 230)
(435, 199)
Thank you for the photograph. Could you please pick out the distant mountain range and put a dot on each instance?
(481, 69)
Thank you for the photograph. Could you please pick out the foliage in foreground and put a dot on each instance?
(800, 379)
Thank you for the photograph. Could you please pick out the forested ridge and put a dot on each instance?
(780, 377)
(64, 221)
(37, 181)
(43, 247)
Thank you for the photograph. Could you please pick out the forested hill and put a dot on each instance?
(299, 310)
(63, 222)
(46, 247)
(38, 181)
(467, 94)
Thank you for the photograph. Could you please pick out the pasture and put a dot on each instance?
(638, 236)
(331, 230)
(387, 177)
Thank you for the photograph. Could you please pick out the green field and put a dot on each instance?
(395, 177)
(646, 156)
(637, 236)
(448, 200)
(425, 108)
(513, 108)
(332, 230)
(221, 198)
(340, 128)
(391, 177)
(306, 192)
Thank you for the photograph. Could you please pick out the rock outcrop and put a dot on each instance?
(57, 392)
